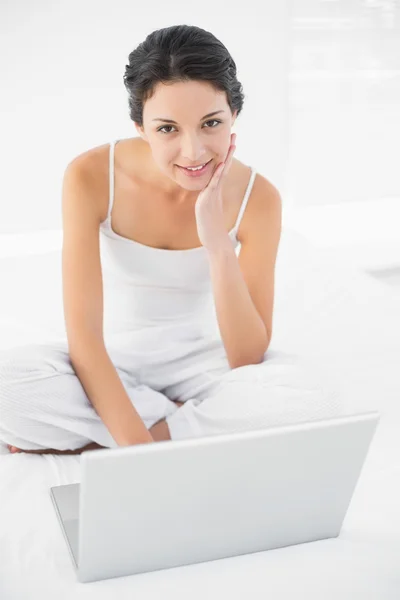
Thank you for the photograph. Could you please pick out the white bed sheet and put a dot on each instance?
(343, 321)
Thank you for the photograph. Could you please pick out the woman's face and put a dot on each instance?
(192, 140)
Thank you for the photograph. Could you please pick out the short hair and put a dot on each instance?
(175, 54)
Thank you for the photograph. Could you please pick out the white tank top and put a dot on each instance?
(151, 288)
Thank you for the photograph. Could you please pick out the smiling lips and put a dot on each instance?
(194, 166)
(196, 172)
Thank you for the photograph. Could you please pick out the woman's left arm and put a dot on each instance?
(243, 286)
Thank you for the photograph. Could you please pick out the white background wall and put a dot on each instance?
(322, 82)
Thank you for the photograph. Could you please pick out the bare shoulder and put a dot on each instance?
(91, 162)
(264, 193)
(93, 166)
(97, 158)
(266, 208)
(264, 200)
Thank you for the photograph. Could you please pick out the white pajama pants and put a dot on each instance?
(43, 404)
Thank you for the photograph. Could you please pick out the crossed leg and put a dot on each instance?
(159, 432)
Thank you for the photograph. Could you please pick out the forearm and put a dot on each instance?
(107, 394)
(242, 330)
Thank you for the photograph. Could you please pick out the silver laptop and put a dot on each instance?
(172, 503)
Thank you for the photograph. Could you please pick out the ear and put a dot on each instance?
(140, 131)
(234, 117)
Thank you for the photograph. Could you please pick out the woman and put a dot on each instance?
(167, 327)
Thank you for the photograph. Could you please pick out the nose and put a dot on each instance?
(192, 149)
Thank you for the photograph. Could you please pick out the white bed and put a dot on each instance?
(344, 321)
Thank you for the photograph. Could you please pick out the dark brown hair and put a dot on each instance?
(179, 53)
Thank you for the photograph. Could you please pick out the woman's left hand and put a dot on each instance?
(209, 209)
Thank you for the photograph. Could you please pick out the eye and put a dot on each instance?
(211, 121)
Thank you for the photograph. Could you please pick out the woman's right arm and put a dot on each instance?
(83, 308)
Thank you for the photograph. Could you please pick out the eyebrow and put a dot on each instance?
(175, 123)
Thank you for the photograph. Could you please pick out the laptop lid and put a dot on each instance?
(65, 499)
(154, 506)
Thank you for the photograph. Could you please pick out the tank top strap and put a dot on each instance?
(245, 199)
(111, 179)
(111, 187)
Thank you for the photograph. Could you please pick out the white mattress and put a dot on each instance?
(343, 321)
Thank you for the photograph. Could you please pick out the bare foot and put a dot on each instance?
(91, 446)
(178, 403)
(160, 431)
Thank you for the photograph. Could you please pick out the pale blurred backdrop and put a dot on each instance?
(321, 117)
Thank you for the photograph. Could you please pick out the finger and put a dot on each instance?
(222, 167)
(216, 175)
(230, 157)
(228, 161)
